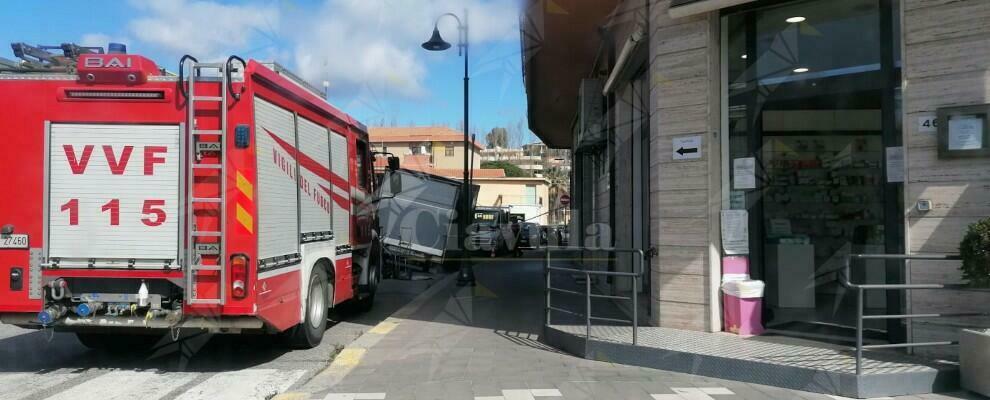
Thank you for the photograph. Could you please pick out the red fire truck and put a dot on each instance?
(230, 197)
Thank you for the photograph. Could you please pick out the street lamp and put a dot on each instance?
(465, 275)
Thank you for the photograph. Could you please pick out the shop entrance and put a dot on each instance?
(811, 108)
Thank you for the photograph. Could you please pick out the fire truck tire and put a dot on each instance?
(118, 343)
(367, 299)
(309, 333)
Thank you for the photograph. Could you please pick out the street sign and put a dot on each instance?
(564, 199)
(687, 147)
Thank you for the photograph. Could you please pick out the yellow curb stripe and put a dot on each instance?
(383, 328)
(245, 218)
(245, 186)
(348, 358)
(292, 396)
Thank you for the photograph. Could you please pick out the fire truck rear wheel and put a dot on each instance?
(366, 302)
(118, 343)
(309, 333)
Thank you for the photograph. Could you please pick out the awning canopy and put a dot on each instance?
(684, 8)
(560, 39)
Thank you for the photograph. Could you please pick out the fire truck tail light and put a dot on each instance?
(237, 289)
(238, 275)
(116, 94)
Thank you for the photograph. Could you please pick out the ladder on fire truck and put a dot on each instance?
(196, 245)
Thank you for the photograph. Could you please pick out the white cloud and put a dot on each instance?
(355, 43)
(359, 46)
(205, 29)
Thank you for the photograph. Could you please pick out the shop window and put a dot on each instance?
(810, 108)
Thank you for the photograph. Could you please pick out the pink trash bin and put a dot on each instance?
(743, 307)
(735, 268)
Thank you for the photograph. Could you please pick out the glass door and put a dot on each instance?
(810, 102)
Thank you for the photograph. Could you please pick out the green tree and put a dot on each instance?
(511, 170)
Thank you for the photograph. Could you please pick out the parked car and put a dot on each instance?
(563, 235)
(555, 235)
(530, 235)
(489, 229)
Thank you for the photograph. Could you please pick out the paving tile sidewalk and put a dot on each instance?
(482, 342)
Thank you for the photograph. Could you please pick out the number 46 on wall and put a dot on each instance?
(154, 215)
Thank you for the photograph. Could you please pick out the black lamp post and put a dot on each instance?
(465, 275)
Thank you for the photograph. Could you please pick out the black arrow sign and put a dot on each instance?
(682, 151)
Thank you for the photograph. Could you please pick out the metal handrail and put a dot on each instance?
(587, 288)
(860, 288)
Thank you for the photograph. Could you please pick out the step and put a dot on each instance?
(206, 233)
(208, 65)
(205, 267)
(207, 132)
(207, 98)
(207, 200)
(768, 360)
(207, 166)
(205, 301)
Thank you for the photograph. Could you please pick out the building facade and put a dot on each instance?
(528, 196)
(541, 161)
(443, 146)
(439, 151)
(531, 163)
(792, 133)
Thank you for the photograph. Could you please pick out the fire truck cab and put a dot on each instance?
(230, 197)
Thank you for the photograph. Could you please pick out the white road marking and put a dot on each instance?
(242, 385)
(694, 393)
(127, 385)
(355, 396)
(21, 385)
(850, 398)
(717, 391)
(522, 394)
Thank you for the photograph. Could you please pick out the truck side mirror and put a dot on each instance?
(393, 163)
(394, 180)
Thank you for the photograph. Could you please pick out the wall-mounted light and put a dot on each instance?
(800, 70)
(743, 56)
(794, 20)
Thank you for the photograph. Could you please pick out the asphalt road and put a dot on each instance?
(45, 365)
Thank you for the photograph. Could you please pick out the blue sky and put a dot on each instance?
(368, 50)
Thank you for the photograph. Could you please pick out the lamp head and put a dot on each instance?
(436, 43)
